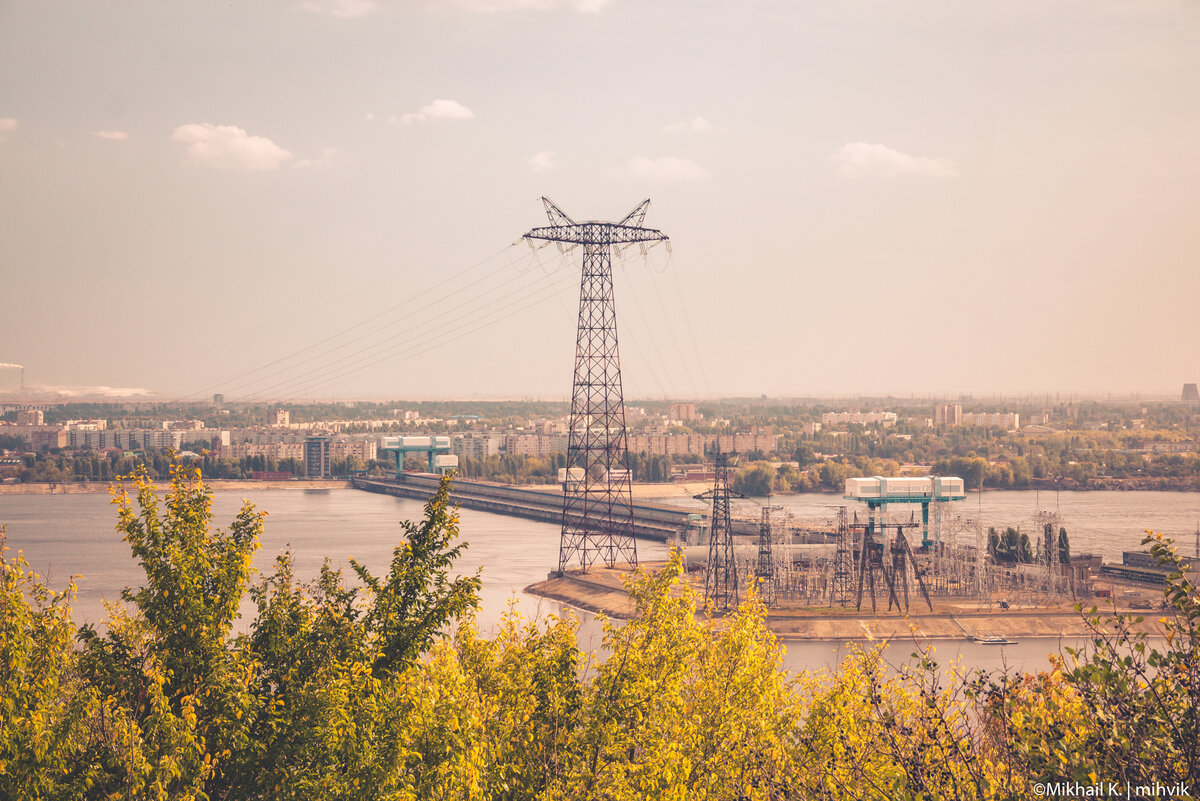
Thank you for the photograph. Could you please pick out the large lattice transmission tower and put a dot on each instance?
(720, 575)
(597, 519)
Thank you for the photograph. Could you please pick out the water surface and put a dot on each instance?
(64, 535)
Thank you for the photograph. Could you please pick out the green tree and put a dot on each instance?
(1064, 547)
(42, 706)
(412, 605)
(757, 480)
(171, 662)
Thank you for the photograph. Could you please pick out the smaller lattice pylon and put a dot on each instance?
(765, 572)
(1048, 524)
(720, 574)
(842, 586)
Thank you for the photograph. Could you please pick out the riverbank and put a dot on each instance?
(227, 484)
(601, 591)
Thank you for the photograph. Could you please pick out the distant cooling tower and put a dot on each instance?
(1190, 393)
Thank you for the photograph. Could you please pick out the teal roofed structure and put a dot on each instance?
(878, 491)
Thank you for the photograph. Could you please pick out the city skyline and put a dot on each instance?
(284, 200)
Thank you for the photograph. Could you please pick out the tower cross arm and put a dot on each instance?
(709, 494)
(597, 233)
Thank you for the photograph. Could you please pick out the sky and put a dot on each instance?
(282, 199)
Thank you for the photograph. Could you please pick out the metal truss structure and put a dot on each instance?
(720, 575)
(842, 585)
(892, 563)
(765, 570)
(597, 520)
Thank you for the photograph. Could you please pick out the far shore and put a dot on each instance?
(239, 485)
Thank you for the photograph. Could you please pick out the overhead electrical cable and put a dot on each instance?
(650, 336)
(670, 323)
(418, 330)
(276, 324)
(687, 321)
(439, 342)
(389, 310)
(426, 307)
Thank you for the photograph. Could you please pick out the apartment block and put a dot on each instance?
(861, 418)
(681, 411)
(1005, 420)
(948, 414)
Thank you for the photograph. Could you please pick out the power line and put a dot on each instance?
(439, 343)
(683, 360)
(688, 322)
(426, 307)
(402, 342)
(275, 325)
(637, 304)
(359, 324)
(405, 336)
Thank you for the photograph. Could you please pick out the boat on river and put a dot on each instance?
(996, 640)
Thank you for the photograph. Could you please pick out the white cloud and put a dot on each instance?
(664, 170)
(324, 160)
(227, 147)
(8, 124)
(540, 162)
(343, 9)
(694, 125)
(346, 9)
(116, 136)
(437, 110)
(862, 158)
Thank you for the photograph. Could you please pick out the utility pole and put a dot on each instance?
(597, 518)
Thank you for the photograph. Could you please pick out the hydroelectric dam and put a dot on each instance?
(650, 521)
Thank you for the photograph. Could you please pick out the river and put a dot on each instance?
(65, 535)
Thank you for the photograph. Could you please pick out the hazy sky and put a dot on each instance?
(284, 199)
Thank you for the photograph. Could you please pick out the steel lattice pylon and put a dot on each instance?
(842, 586)
(766, 559)
(720, 575)
(597, 519)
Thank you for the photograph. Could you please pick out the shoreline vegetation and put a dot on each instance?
(640, 490)
(367, 687)
(85, 487)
